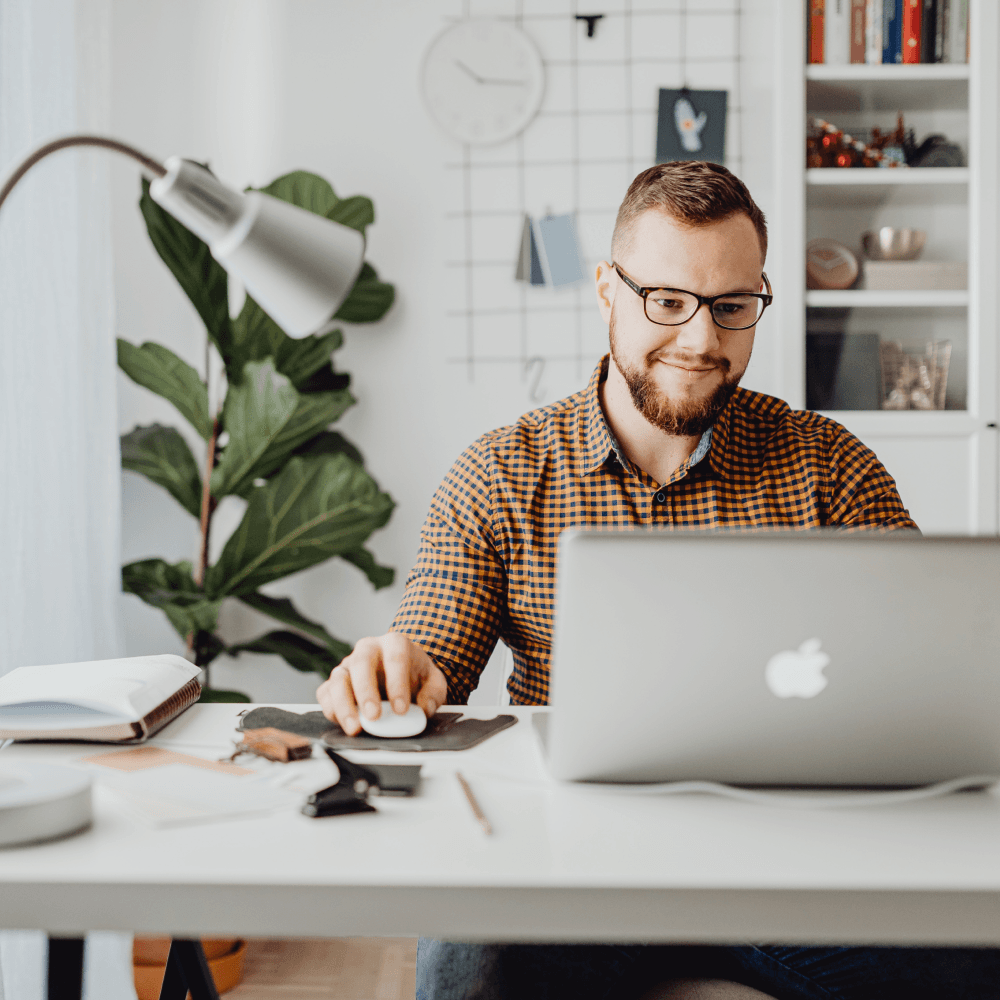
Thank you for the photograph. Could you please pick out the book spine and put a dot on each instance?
(873, 32)
(912, 12)
(958, 27)
(858, 30)
(816, 32)
(892, 36)
(836, 43)
(928, 27)
(941, 35)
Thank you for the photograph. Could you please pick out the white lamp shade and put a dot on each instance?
(297, 265)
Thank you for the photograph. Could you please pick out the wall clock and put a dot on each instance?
(483, 81)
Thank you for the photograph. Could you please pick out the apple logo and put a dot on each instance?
(798, 673)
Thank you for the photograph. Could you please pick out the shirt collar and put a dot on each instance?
(599, 442)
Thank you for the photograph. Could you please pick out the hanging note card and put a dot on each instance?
(529, 267)
(691, 125)
(558, 247)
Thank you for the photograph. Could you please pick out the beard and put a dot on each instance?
(679, 418)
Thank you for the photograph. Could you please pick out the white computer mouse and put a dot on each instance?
(393, 726)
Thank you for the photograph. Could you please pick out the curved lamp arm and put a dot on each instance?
(299, 266)
(155, 168)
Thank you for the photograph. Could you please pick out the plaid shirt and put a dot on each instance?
(486, 568)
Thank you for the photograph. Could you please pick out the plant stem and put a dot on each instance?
(207, 510)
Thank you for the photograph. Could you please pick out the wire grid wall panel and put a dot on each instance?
(595, 130)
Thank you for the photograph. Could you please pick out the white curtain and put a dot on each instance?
(60, 486)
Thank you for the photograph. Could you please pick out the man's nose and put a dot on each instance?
(699, 335)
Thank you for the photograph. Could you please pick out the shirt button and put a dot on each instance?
(661, 497)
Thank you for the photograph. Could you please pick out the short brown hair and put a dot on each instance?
(695, 192)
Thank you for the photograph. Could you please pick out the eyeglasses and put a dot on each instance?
(674, 306)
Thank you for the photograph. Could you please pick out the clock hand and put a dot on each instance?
(461, 65)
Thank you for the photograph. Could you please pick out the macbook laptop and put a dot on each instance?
(787, 658)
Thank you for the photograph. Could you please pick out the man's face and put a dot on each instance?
(680, 377)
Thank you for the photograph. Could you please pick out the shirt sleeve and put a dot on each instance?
(863, 494)
(455, 595)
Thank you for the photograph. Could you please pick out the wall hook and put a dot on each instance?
(591, 20)
(534, 368)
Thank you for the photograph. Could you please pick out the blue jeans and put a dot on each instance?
(452, 971)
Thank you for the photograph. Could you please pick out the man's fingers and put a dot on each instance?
(336, 697)
(434, 692)
(364, 665)
(397, 654)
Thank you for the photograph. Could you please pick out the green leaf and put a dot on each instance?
(282, 610)
(331, 443)
(256, 336)
(172, 589)
(201, 276)
(313, 509)
(304, 189)
(297, 651)
(263, 447)
(220, 694)
(255, 412)
(369, 300)
(380, 576)
(207, 646)
(160, 454)
(356, 212)
(161, 371)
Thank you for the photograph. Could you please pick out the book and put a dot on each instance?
(837, 33)
(816, 30)
(941, 31)
(857, 43)
(873, 31)
(101, 701)
(912, 13)
(892, 35)
(957, 30)
(928, 30)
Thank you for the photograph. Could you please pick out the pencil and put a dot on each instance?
(477, 812)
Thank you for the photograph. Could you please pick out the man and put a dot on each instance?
(662, 436)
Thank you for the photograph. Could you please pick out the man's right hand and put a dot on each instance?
(389, 663)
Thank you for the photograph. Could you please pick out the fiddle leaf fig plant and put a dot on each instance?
(308, 496)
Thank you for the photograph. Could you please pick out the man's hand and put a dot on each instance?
(389, 663)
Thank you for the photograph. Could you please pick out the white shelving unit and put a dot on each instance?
(945, 462)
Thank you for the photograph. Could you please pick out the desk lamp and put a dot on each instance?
(299, 267)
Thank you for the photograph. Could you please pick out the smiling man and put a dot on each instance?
(662, 436)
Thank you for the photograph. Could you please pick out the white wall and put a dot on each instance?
(258, 88)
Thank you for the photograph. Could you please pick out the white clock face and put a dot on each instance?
(483, 81)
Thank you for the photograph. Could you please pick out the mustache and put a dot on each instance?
(691, 360)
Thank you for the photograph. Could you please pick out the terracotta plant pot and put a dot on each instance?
(149, 961)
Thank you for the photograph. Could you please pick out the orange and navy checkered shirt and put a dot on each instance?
(486, 567)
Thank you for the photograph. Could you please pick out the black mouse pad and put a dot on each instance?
(445, 730)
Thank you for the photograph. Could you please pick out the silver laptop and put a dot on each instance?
(798, 658)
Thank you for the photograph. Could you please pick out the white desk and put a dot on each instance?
(563, 864)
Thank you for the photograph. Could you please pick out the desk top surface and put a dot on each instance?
(549, 842)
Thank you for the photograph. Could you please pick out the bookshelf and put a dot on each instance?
(946, 461)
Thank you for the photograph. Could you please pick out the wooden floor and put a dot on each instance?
(338, 969)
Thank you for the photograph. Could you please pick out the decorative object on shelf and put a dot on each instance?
(829, 264)
(912, 275)
(914, 381)
(843, 371)
(829, 146)
(308, 495)
(691, 125)
(483, 80)
(890, 243)
(937, 151)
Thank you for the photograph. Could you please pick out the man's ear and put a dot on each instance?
(604, 280)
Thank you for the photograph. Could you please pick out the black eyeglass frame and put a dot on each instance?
(643, 292)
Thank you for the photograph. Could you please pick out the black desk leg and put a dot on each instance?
(187, 970)
(65, 973)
